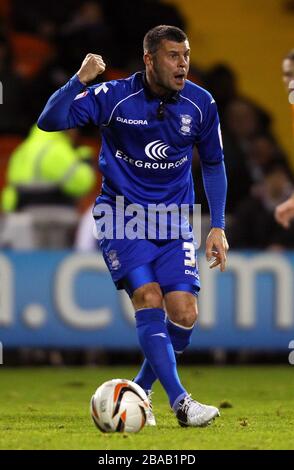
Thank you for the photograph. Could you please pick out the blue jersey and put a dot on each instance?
(147, 141)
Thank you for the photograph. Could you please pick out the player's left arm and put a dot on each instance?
(210, 149)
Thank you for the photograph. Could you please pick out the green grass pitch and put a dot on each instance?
(48, 408)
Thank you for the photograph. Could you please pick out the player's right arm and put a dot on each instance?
(63, 111)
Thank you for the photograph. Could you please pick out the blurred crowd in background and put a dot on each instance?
(41, 47)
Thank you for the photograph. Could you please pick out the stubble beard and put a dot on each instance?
(160, 81)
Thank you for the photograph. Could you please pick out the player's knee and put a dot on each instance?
(186, 317)
(148, 297)
(152, 299)
(189, 318)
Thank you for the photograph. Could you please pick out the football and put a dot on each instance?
(119, 405)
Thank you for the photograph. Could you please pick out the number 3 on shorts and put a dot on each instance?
(190, 259)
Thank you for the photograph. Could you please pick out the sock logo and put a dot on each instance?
(163, 335)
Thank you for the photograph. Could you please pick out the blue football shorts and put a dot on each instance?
(170, 263)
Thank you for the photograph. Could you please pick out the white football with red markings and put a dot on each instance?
(119, 405)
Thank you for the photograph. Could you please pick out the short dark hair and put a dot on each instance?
(154, 37)
(290, 55)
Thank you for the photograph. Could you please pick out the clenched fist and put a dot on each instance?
(92, 66)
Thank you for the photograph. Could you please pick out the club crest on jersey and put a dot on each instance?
(186, 124)
(113, 260)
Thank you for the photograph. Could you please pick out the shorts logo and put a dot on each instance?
(186, 124)
(156, 150)
(113, 260)
(191, 273)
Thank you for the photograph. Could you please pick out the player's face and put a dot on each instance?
(288, 72)
(169, 66)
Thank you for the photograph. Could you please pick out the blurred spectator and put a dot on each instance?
(288, 69)
(288, 78)
(255, 225)
(41, 18)
(221, 81)
(246, 129)
(85, 31)
(30, 54)
(12, 116)
(263, 151)
(46, 176)
(242, 120)
(285, 212)
(248, 145)
(47, 168)
(247, 169)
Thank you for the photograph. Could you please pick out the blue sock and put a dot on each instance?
(180, 338)
(145, 377)
(158, 350)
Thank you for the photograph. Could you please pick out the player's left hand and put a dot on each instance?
(217, 248)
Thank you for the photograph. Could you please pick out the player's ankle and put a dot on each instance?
(178, 400)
